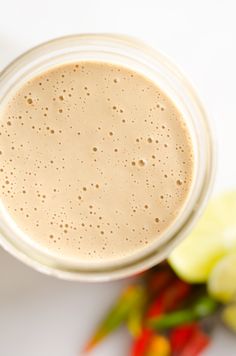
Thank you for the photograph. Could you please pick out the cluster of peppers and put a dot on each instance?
(165, 315)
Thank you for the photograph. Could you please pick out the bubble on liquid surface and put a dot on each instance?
(142, 162)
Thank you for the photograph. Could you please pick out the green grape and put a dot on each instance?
(222, 280)
(212, 238)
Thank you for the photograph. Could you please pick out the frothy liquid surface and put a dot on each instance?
(95, 161)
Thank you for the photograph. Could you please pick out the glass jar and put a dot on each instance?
(133, 54)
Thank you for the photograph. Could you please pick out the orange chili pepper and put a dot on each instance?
(159, 346)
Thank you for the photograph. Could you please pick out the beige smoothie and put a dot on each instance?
(96, 162)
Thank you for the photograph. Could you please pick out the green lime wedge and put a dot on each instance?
(212, 238)
(222, 280)
(229, 316)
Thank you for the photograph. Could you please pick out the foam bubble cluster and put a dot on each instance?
(95, 160)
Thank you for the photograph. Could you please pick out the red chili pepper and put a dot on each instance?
(197, 343)
(188, 340)
(156, 308)
(141, 344)
(160, 279)
(171, 298)
(180, 336)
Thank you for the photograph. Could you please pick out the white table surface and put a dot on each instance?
(42, 316)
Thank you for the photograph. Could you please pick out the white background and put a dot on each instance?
(42, 316)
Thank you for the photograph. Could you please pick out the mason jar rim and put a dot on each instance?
(96, 45)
